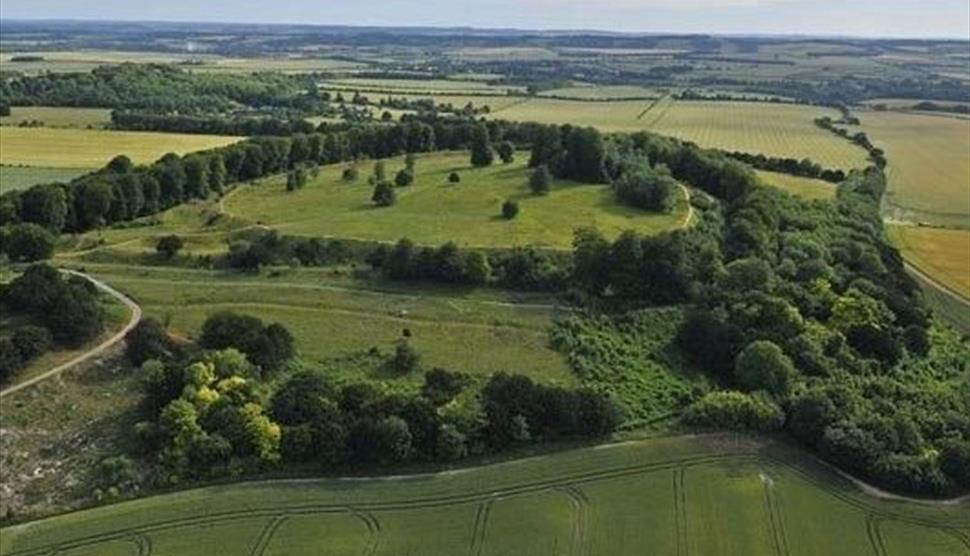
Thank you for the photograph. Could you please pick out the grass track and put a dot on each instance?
(585, 501)
(806, 188)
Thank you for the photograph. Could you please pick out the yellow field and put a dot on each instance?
(55, 116)
(86, 148)
(806, 188)
(784, 130)
(941, 253)
(929, 166)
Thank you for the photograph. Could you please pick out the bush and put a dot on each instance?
(26, 242)
(267, 347)
(384, 195)
(31, 341)
(350, 174)
(404, 178)
(762, 365)
(147, 340)
(506, 152)
(510, 209)
(541, 180)
(736, 411)
(454, 177)
(405, 358)
(647, 188)
(168, 246)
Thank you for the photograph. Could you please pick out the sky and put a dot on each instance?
(867, 18)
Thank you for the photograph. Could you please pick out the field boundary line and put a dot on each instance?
(480, 527)
(680, 512)
(96, 350)
(266, 535)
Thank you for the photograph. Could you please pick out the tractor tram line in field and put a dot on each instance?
(568, 485)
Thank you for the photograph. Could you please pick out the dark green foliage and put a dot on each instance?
(541, 180)
(384, 195)
(441, 386)
(168, 246)
(148, 340)
(518, 409)
(481, 146)
(735, 411)
(647, 188)
(405, 358)
(762, 365)
(350, 174)
(510, 209)
(45, 205)
(454, 177)
(69, 309)
(268, 347)
(31, 341)
(296, 178)
(445, 264)
(26, 242)
(506, 152)
(404, 178)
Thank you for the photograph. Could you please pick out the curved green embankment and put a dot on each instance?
(707, 495)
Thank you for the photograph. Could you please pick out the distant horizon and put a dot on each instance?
(861, 19)
(485, 28)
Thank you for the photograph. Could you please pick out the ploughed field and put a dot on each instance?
(433, 211)
(699, 495)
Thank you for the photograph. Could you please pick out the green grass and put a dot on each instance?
(22, 177)
(698, 495)
(602, 92)
(85, 148)
(929, 169)
(806, 188)
(53, 116)
(334, 317)
(783, 130)
(416, 85)
(433, 211)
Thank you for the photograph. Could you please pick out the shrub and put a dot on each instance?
(454, 177)
(26, 242)
(350, 174)
(736, 411)
(384, 195)
(510, 209)
(541, 180)
(31, 341)
(647, 188)
(506, 152)
(405, 358)
(404, 178)
(762, 365)
(168, 246)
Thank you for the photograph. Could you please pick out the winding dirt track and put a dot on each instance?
(96, 350)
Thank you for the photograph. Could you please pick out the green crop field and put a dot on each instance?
(433, 211)
(22, 177)
(86, 148)
(53, 116)
(412, 86)
(806, 188)
(703, 495)
(929, 169)
(333, 317)
(941, 253)
(784, 130)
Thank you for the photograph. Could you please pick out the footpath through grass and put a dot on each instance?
(700, 495)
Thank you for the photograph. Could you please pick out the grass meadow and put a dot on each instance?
(784, 130)
(806, 188)
(702, 495)
(337, 317)
(929, 166)
(434, 211)
(85, 148)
